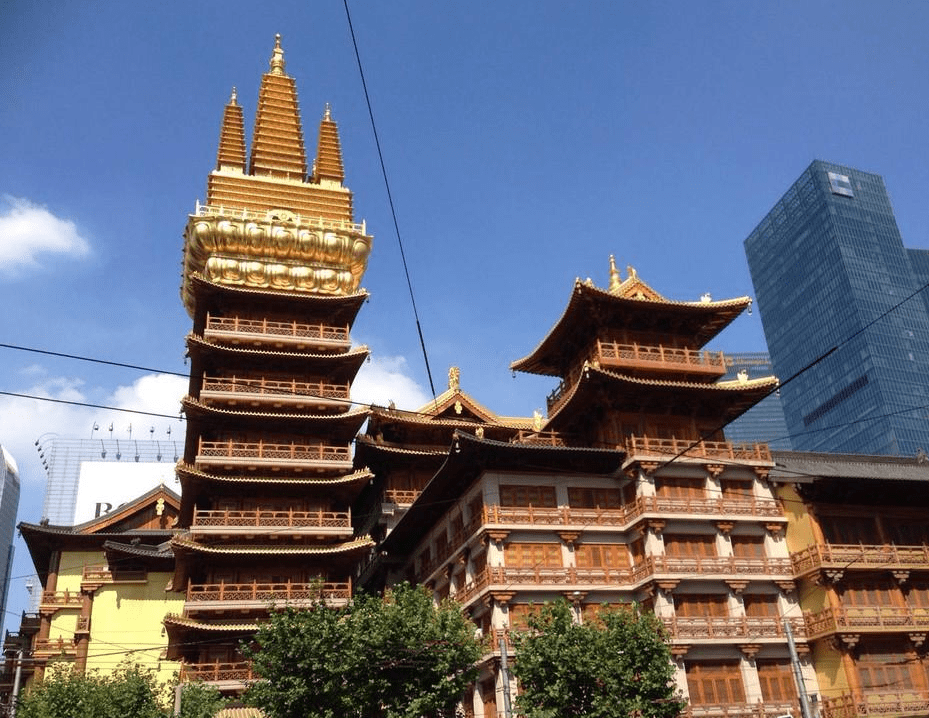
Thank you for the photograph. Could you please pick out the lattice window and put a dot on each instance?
(533, 555)
(524, 496)
(680, 487)
(689, 545)
(748, 546)
(850, 529)
(886, 668)
(602, 555)
(736, 489)
(520, 612)
(760, 605)
(874, 592)
(589, 498)
(698, 605)
(717, 682)
(777, 681)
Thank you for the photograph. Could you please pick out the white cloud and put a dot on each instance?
(28, 230)
(386, 379)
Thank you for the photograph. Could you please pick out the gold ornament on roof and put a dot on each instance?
(615, 277)
(277, 57)
(536, 420)
(454, 378)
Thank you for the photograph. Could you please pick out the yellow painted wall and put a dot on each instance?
(799, 524)
(126, 618)
(71, 567)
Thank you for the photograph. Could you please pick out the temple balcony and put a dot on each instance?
(867, 619)
(267, 333)
(839, 558)
(260, 393)
(400, 497)
(512, 577)
(92, 577)
(723, 567)
(726, 628)
(231, 454)
(638, 358)
(648, 447)
(220, 675)
(877, 703)
(45, 648)
(767, 709)
(53, 601)
(257, 596)
(252, 522)
(312, 221)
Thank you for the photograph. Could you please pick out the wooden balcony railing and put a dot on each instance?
(875, 703)
(275, 332)
(265, 593)
(61, 599)
(725, 565)
(857, 556)
(246, 452)
(879, 619)
(693, 449)
(217, 672)
(218, 520)
(48, 647)
(543, 576)
(660, 358)
(272, 391)
(767, 709)
(709, 627)
(538, 438)
(96, 574)
(401, 496)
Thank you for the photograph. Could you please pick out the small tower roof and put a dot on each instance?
(328, 163)
(231, 153)
(277, 144)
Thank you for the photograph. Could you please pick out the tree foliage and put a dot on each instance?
(131, 691)
(398, 656)
(617, 665)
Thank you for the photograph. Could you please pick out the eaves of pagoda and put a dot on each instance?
(590, 309)
(724, 400)
(348, 422)
(337, 367)
(470, 457)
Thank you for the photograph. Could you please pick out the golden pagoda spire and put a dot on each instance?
(328, 163)
(277, 143)
(231, 155)
(615, 278)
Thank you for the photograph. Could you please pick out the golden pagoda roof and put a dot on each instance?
(180, 544)
(628, 303)
(724, 400)
(350, 420)
(341, 364)
(359, 476)
(268, 225)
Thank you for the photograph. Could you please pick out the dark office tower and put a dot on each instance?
(831, 275)
(764, 422)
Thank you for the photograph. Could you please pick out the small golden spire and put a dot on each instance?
(233, 97)
(277, 57)
(327, 113)
(615, 278)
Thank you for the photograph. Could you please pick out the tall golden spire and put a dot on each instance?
(277, 144)
(231, 155)
(328, 163)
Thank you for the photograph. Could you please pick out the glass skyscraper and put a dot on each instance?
(832, 280)
(9, 505)
(764, 422)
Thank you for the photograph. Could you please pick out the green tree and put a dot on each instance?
(615, 666)
(398, 656)
(131, 691)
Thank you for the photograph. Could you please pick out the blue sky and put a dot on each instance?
(525, 142)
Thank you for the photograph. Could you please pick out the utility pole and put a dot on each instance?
(798, 675)
(505, 677)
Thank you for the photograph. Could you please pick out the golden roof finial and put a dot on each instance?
(233, 96)
(327, 113)
(277, 57)
(454, 379)
(615, 278)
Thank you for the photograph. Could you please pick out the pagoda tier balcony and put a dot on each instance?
(259, 392)
(220, 675)
(57, 600)
(638, 358)
(92, 577)
(251, 522)
(877, 703)
(868, 620)
(642, 447)
(724, 567)
(512, 577)
(767, 709)
(709, 628)
(264, 455)
(851, 557)
(620, 517)
(45, 648)
(266, 333)
(401, 497)
(258, 596)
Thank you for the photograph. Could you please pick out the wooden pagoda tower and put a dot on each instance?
(272, 269)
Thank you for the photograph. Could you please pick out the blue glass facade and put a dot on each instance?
(764, 422)
(9, 505)
(826, 262)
